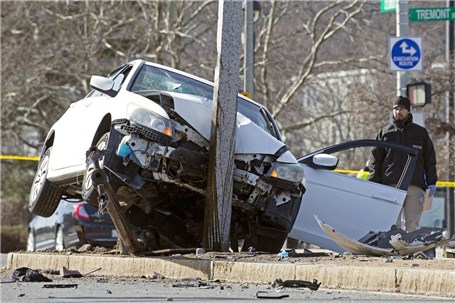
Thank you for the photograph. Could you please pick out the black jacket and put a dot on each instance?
(387, 164)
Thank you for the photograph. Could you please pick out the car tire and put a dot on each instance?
(90, 192)
(44, 196)
(31, 241)
(59, 241)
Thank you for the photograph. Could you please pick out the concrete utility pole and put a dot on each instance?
(402, 31)
(218, 206)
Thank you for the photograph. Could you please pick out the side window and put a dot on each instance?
(118, 81)
(119, 75)
(119, 78)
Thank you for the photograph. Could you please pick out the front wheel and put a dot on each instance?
(89, 191)
(44, 196)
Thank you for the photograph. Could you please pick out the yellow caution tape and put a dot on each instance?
(344, 171)
(445, 184)
(13, 157)
(438, 184)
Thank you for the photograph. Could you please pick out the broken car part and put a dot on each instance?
(393, 242)
(266, 295)
(296, 284)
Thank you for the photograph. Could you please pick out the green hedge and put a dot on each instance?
(13, 238)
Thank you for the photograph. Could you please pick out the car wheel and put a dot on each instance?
(31, 241)
(59, 242)
(90, 192)
(44, 196)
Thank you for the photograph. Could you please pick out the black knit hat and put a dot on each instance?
(402, 102)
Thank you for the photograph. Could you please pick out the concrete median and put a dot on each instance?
(403, 277)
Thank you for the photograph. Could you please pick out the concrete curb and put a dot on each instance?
(369, 278)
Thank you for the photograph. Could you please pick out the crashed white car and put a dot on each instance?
(154, 123)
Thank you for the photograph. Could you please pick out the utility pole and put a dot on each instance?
(248, 52)
(218, 205)
(402, 31)
(450, 118)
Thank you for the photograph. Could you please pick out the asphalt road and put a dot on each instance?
(146, 290)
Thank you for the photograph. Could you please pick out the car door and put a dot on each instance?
(350, 205)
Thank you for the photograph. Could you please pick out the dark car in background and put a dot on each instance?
(60, 230)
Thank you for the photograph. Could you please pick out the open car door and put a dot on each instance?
(351, 205)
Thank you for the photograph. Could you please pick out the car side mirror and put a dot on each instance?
(325, 161)
(103, 85)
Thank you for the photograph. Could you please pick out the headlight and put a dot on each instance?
(288, 172)
(151, 120)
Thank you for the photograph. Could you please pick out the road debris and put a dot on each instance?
(393, 242)
(60, 286)
(200, 251)
(266, 295)
(68, 273)
(296, 284)
(283, 254)
(25, 274)
(198, 284)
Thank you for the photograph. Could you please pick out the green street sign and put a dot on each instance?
(388, 6)
(432, 14)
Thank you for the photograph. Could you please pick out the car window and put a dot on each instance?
(157, 79)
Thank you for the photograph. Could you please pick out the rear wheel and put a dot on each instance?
(31, 241)
(59, 242)
(44, 196)
(89, 191)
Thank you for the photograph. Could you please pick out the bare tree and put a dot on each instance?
(50, 50)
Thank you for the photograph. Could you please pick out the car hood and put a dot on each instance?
(250, 138)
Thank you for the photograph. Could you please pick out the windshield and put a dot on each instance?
(158, 79)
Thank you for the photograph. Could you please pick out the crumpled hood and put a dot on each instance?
(250, 138)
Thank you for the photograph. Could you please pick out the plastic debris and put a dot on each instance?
(283, 254)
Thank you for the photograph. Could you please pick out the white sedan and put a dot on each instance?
(151, 127)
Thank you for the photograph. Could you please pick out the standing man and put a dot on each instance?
(388, 164)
